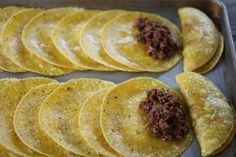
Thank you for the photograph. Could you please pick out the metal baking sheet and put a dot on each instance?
(223, 75)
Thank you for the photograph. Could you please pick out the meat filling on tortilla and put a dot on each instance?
(157, 38)
(165, 115)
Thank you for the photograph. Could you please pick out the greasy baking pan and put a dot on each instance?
(223, 75)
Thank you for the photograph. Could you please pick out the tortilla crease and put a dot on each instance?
(228, 140)
(120, 43)
(65, 39)
(215, 59)
(59, 114)
(36, 36)
(10, 97)
(17, 53)
(124, 125)
(212, 116)
(200, 38)
(5, 63)
(27, 125)
(89, 124)
(90, 40)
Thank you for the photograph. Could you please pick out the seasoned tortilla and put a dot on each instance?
(120, 43)
(36, 36)
(5, 63)
(14, 49)
(65, 40)
(6, 82)
(89, 121)
(59, 114)
(215, 59)
(27, 125)
(200, 38)
(10, 97)
(3, 84)
(5, 153)
(124, 126)
(212, 116)
(90, 40)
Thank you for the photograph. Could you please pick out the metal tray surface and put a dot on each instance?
(223, 75)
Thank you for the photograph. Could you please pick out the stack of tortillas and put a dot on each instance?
(62, 40)
(91, 117)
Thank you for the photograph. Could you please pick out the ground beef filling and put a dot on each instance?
(165, 115)
(157, 38)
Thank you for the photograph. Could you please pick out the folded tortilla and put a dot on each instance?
(212, 115)
(200, 38)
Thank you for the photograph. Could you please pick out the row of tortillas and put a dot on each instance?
(90, 117)
(62, 40)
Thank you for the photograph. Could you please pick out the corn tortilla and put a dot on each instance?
(212, 117)
(65, 40)
(10, 97)
(59, 114)
(5, 63)
(90, 40)
(200, 38)
(37, 33)
(119, 40)
(124, 125)
(15, 50)
(215, 59)
(89, 124)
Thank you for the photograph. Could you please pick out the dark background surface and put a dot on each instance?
(231, 7)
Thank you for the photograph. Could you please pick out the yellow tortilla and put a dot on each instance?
(59, 114)
(5, 63)
(14, 49)
(10, 97)
(65, 40)
(5, 153)
(90, 40)
(215, 59)
(120, 43)
(89, 121)
(212, 116)
(27, 125)
(124, 126)
(3, 84)
(36, 36)
(200, 38)
(6, 82)
(229, 139)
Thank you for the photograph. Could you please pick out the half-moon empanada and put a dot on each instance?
(200, 38)
(211, 114)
